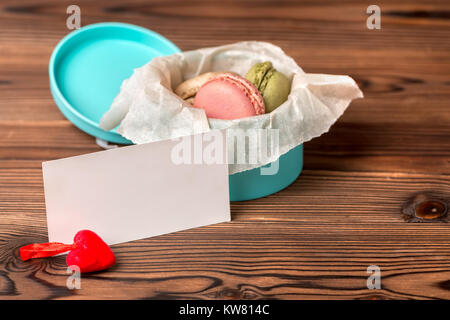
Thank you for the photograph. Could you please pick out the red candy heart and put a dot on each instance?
(89, 252)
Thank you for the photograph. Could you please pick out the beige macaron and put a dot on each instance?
(188, 89)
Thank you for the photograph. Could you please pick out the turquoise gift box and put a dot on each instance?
(87, 68)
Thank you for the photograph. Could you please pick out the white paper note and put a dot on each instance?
(134, 192)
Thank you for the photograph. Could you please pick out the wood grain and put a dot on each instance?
(313, 240)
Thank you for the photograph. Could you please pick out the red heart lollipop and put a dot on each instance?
(89, 252)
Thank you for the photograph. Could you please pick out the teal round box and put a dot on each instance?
(88, 66)
(84, 82)
(252, 184)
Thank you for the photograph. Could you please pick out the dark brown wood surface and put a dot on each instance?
(313, 240)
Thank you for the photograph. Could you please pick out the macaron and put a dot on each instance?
(273, 85)
(188, 89)
(229, 96)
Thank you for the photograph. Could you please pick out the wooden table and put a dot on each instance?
(313, 240)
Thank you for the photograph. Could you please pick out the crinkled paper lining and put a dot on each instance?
(147, 109)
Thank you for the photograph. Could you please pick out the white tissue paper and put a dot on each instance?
(148, 110)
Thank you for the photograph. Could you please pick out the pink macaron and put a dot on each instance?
(229, 96)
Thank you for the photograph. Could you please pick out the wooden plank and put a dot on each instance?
(347, 147)
(313, 240)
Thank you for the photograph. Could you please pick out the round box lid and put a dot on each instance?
(88, 66)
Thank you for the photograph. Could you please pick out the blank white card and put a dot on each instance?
(135, 192)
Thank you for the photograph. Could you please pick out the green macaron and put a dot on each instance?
(272, 84)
